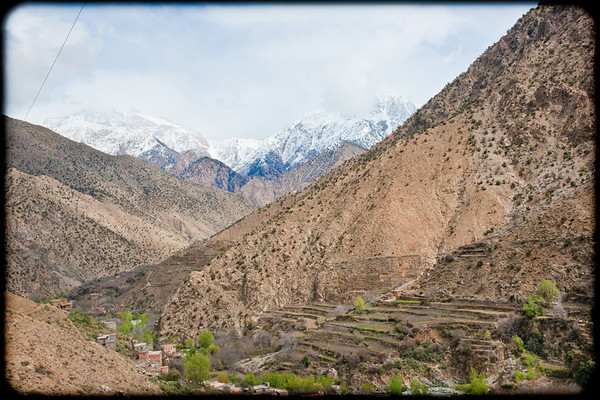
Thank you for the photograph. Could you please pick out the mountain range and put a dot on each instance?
(231, 163)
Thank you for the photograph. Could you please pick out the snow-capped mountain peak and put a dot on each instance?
(127, 132)
(321, 130)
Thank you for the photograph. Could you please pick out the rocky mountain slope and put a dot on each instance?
(45, 353)
(507, 147)
(73, 213)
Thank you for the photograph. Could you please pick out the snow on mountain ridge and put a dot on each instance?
(141, 135)
(320, 130)
(234, 151)
(128, 132)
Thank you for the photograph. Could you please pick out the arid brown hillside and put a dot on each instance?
(46, 354)
(74, 213)
(507, 145)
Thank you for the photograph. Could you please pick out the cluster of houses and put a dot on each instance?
(62, 303)
(152, 360)
(147, 358)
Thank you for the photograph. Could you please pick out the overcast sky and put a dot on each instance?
(240, 70)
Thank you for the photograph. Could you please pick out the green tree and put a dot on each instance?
(519, 344)
(343, 388)
(125, 328)
(366, 387)
(143, 319)
(212, 349)
(148, 338)
(197, 368)
(126, 316)
(359, 303)
(250, 379)
(477, 385)
(305, 361)
(418, 388)
(547, 290)
(395, 385)
(205, 339)
(533, 306)
(222, 377)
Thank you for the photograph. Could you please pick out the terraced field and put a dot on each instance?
(409, 330)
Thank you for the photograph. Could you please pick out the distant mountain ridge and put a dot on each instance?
(175, 148)
(319, 131)
(128, 132)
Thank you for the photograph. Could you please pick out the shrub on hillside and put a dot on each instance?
(476, 385)
(533, 306)
(395, 385)
(547, 290)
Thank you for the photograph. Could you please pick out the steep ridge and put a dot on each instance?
(46, 353)
(74, 213)
(208, 172)
(508, 140)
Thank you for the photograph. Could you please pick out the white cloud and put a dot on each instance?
(32, 41)
(240, 70)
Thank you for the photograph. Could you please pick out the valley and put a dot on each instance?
(456, 255)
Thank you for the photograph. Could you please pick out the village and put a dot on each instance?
(155, 362)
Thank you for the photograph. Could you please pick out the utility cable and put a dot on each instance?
(52, 66)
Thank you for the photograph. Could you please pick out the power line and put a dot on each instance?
(52, 66)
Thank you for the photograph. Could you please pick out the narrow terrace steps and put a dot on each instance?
(478, 342)
(309, 309)
(318, 348)
(460, 304)
(386, 340)
(436, 323)
(292, 314)
(435, 312)
(343, 339)
(369, 326)
(331, 336)
(334, 350)
(577, 310)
